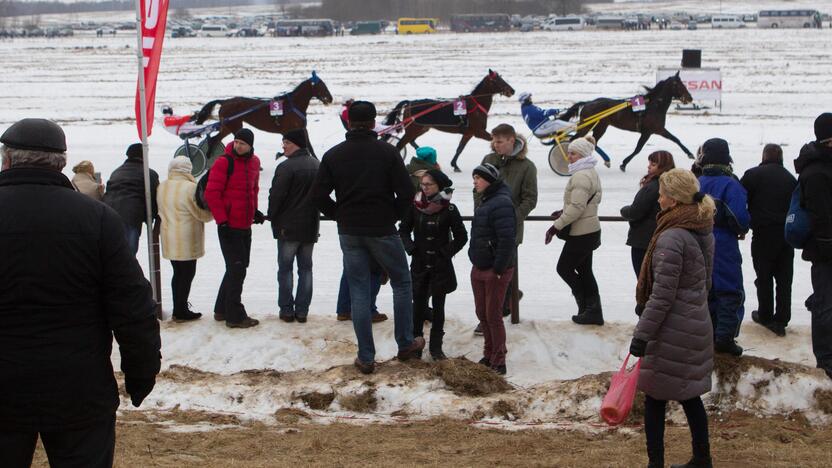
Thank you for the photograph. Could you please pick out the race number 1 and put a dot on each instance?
(276, 108)
(638, 103)
(459, 107)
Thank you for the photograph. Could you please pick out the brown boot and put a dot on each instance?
(412, 351)
(247, 322)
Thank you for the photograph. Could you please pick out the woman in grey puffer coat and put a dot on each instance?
(674, 335)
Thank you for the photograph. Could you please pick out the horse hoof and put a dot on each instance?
(690, 156)
(623, 168)
(607, 163)
(456, 169)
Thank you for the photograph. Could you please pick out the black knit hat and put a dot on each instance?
(36, 135)
(488, 172)
(134, 151)
(442, 181)
(715, 151)
(361, 111)
(245, 135)
(823, 126)
(298, 137)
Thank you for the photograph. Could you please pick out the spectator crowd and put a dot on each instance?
(71, 282)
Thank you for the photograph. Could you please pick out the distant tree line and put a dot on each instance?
(20, 8)
(346, 10)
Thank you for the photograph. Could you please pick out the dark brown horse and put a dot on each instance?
(442, 118)
(647, 122)
(255, 111)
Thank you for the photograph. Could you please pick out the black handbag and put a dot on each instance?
(563, 234)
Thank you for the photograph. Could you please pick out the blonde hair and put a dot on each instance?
(84, 166)
(682, 186)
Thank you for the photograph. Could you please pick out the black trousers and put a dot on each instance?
(575, 264)
(420, 310)
(820, 305)
(654, 417)
(773, 262)
(236, 251)
(637, 256)
(180, 284)
(89, 447)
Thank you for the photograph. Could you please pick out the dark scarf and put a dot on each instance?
(681, 216)
(434, 204)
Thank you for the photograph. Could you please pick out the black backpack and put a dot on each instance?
(199, 195)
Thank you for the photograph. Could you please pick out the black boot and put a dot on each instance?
(592, 313)
(579, 299)
(728, 346)
(701, 458)
(436, 345)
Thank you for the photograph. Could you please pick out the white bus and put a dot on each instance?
(564, 23)
(788, 19)
(213, 30)
(726, 22)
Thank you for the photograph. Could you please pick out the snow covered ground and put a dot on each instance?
(775, 83)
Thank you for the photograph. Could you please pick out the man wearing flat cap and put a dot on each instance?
(373, 192)
(295, 224)
(814, 168)
(69, 283)
(125, 194)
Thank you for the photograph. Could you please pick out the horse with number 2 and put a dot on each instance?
(467, 114)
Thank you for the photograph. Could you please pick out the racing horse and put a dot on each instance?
(416, 119)
(256, 111)
(647, 122)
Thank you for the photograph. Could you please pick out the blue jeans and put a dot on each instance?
(133, 233)
(287, 252)
(343, 305)
(727, 310)
(388, 252)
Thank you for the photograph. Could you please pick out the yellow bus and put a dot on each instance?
(416, 25)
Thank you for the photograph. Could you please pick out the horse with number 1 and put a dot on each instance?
(648, 121)
(467, 114)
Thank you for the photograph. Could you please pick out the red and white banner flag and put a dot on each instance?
(154, 17)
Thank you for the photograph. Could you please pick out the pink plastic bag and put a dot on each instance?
(619, 399)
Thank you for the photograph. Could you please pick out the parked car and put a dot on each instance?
(182, 31)
(692, 26)
(676, 26)
(248, 32)
(366, 27)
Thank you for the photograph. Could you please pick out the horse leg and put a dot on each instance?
(597, 133)
(641, 142)
(462, 143)
(663, 132)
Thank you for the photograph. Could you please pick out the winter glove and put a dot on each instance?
(552, 232)
(138, 389)
(638, 347)
(639, 309)
(259, 217)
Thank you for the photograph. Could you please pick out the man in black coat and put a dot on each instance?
(295, 224)
(68, 285)
(125, 194)
(814, 166)
(373, 191)
(770, 187)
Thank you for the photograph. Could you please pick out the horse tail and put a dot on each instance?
(206, 110)
(393, 116)
(572, 111)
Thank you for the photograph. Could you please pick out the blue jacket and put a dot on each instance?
(493, 230)
(534, 115)
(730, 221)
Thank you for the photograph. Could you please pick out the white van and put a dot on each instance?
(726, 22)
(213, 30)
(564, 23)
